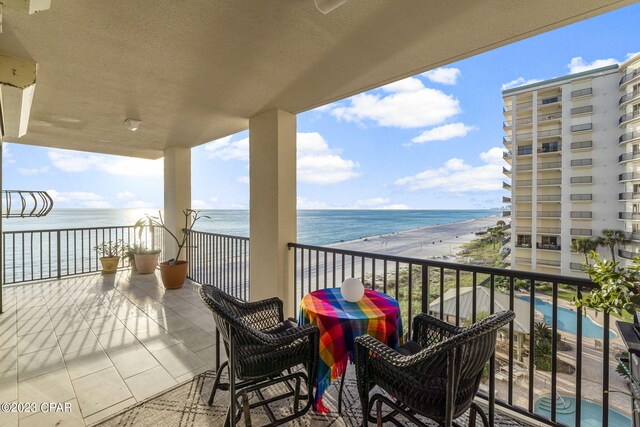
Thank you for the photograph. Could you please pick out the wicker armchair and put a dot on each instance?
(437, 375)
(260, 346)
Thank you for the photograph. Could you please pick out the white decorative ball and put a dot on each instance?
(352, 289)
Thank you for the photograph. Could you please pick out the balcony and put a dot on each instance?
(587, 109)
(632, 216)
(524, 168)
(552, 100)
(506, 171)
(549, 214)
(629, 97)
(626, 118)
(550, 148)
(548, 246)
(585, 197)
(506, 199)
(581, 145)
(524, 183)
(506, 186)
(581, 232)
(581, 92)
(632, 75)
(549, 182)
(525, 136)
(523, 214)
(629, 176)
(628, 156)
(549, 117)
(548, 230)
(523, 199)
(630, 136)
(628, 196)
(550, 165)
(549, 198)
(551, 133)
(576, 266)
(581, 162)
(506, 213)
(581, 214)
(627, 254)
(581, 128)
(581, 180)
(548, 262)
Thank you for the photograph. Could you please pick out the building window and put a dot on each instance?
(524, 241)
(548, 147)
(636, 189)
(549, 240)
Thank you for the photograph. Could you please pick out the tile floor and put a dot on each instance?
(99, 343)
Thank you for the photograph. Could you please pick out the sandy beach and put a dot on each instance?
(428, 242)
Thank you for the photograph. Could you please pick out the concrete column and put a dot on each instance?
(177, 194)
(272, 179)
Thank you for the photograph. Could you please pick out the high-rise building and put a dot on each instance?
(574, 153)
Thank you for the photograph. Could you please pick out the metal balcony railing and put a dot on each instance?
(582, 127)
(548, 262)
(581, 214)
(634, 216)
(629, 176)
(523, 214)
(549, 133)
(506, 199)
(549, 197)
(524, 136)
(629, 76)
(548, 246)
(549, 214)
(581, 144)
(582, 162)
(550, 181)
(629, 116)
(548, 230)
(581, 180)
(581, 92)
(582, 110)
(627, 254)
(522, 168)
(523, 198)
(629, 97)
(628, 196)
(552, 116)
(550, 100)
(550, 165)
(550, 148)
(628, 137)
(581, 232)
(628, 156)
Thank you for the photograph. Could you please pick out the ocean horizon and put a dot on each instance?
(315, 226)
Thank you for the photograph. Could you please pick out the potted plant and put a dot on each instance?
(110, 252)
(146, 259)
(129, 252)
(174, 271)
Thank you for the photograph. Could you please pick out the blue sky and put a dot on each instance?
(432, 141)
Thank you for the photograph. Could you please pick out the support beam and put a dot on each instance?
(17, 84)
(272, 178)
(177, 193)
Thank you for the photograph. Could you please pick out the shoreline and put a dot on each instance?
(430, 242)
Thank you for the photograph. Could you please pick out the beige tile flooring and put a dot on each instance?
(100, 343)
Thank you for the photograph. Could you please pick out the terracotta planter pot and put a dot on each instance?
(146, 263)
(109, 264)
(173, 276)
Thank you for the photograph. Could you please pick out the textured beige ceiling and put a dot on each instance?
(196, 70)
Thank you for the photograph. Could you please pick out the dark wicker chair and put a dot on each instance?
(437, 375)
(261, 348)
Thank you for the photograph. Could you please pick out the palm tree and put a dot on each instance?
(611, 238)
(501, 223)
(584, 245)
(496, 234)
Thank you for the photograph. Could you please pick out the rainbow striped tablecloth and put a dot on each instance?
(340, 322)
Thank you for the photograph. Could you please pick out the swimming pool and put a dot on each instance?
(590, 412)
(567, 320)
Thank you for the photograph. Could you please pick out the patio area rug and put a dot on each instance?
(186, 406)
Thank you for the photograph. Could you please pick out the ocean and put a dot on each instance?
(315, 227)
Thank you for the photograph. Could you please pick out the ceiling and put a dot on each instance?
(196, 70)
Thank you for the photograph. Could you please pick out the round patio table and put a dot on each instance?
(340, 322)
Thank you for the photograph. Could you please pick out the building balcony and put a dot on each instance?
(523, 214)
(582, 145)
(576, 266)
(628, 137)
(581, 215)
(630, 216)
(547, 246)
(549, 117)
(524, 183)
(506, 141)
(524, 121)
(581, 93)
(622, 253)
(628, 156)
(506, 199)
(522, 229)
(549, 198)
(549, 214)
(550, 165)
(506, 171)
(584, 197)
(629, 77)
(582, 128)
(628, 118)
(506, 186)
(524, 168)
(551, 133)
(548, 230)
(587, 109)
(522, 260)
(629, 176)
(581, 162)
(506, 213)
(506, 125)
(525, 136)
(506, 155)
(581, 232)
(628, 196)
(548, 263)
(551, 148)
(526, 199)
(549, 182)
(524, 106)
(632, 96)
(576, 180)
(550, 101)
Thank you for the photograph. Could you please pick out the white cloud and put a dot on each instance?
(69, 161)
(226, 149)
(520, 81)
(375, 201)
(443, 133)
(204, 204)
(631, 55)
(578, 65)
(33, 171)
(123, 195)
(325, 169)
(445, 76)
(317, 163)
(410, 84)
(397, 206)
(79, 199)
(404, 108)
(457, 176)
